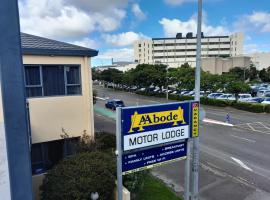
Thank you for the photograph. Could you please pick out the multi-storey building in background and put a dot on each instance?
(176, 51)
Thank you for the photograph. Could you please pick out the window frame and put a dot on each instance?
(41, 80)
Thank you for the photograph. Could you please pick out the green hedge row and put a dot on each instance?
(251, 107)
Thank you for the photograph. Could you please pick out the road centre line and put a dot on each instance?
(242, 138)
(241, 164)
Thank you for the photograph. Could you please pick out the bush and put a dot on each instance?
(267, 108)
(252, 107)
(214, 102)
(105, 141)
(79, 176)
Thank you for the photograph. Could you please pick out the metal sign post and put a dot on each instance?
(119, 154)
(195, 155)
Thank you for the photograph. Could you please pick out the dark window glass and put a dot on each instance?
(34, 91)
(53, 80)
(32, 75)
(73, 75)
(74, 89)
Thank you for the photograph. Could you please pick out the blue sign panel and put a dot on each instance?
(154, 125)
(149, 158)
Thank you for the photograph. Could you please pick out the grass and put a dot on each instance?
(154, 189)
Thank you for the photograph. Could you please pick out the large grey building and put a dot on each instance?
(178, 50)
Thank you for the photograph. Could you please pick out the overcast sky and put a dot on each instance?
(111, 26)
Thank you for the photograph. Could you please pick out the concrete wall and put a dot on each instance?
(260, 60)
(73, 114)
(218, 65)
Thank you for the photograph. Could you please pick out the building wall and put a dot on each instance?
(177, 51)
(221, 65)
(260, 60)
(50, 116)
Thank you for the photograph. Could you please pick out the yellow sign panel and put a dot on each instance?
(195, 120)
(148, 119)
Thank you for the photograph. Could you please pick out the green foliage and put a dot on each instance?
(237, 87)
(267, 108)
(134, 182)
(111, 75)
(154, 189)
(214, 102)
(264, 75)
(251, 107)
(76, 177)
(94, 96)
(95, 74)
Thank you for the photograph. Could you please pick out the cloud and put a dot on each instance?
(177, 2)
(87, 42)
(255, 48)
(138, 13)
(123, 39)
(122, 54)
(66, 19)
(173, 26)
(256, 22)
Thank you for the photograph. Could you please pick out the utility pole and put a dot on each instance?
(195, 153)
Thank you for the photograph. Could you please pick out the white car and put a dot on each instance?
(214, 95)
(241, 97)
(261, 93)
(225, 96)
(266, 101)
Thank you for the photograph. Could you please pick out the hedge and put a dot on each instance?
(251, 107)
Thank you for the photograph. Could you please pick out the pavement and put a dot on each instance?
(234, 160)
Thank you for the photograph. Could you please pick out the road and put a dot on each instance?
(234, 160)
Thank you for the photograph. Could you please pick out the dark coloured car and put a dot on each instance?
(113, 104)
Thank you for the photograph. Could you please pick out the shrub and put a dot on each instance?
(77, 177)
(105, 141)
(214, 102)
(267, 108)
(252, 107)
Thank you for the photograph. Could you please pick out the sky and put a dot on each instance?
(112, 26)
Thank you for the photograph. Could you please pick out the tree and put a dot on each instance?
(264, 74)
(111, 75)
(253, 73)
(237, 87)
(209, 82)
(95, 74)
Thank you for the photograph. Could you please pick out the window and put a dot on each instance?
(52, 80)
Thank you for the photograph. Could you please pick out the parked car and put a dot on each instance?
(261, 93)
(241, 97)
(225, 96)
(255, 100)
(115, 103)
(266, 100)
(214, 95)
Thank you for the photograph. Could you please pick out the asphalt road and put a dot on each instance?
(234, 160)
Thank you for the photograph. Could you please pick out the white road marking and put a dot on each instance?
(242, 138)
(211, 121)
(242, 164)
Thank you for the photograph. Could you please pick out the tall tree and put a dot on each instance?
(237, 87)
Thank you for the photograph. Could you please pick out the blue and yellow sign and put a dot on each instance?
(156, 124)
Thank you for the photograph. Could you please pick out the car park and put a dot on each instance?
(266, 101)
(261, 93)
(255, 100)
(241, 97)
(225, 96)
(115, 103)
(214, 95)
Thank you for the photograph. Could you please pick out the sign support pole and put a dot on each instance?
(119, 154)
(187, 172)
(195, 156)
(15, 160)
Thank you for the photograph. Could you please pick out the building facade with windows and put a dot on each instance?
(59, 97)
(179, 50)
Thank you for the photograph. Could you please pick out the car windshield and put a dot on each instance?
(119, 102)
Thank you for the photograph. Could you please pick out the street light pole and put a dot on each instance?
(195, 153)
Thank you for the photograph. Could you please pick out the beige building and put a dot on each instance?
(121, 66)
(219, 65)
(260, 60)
(178, 50)
(59, 96)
